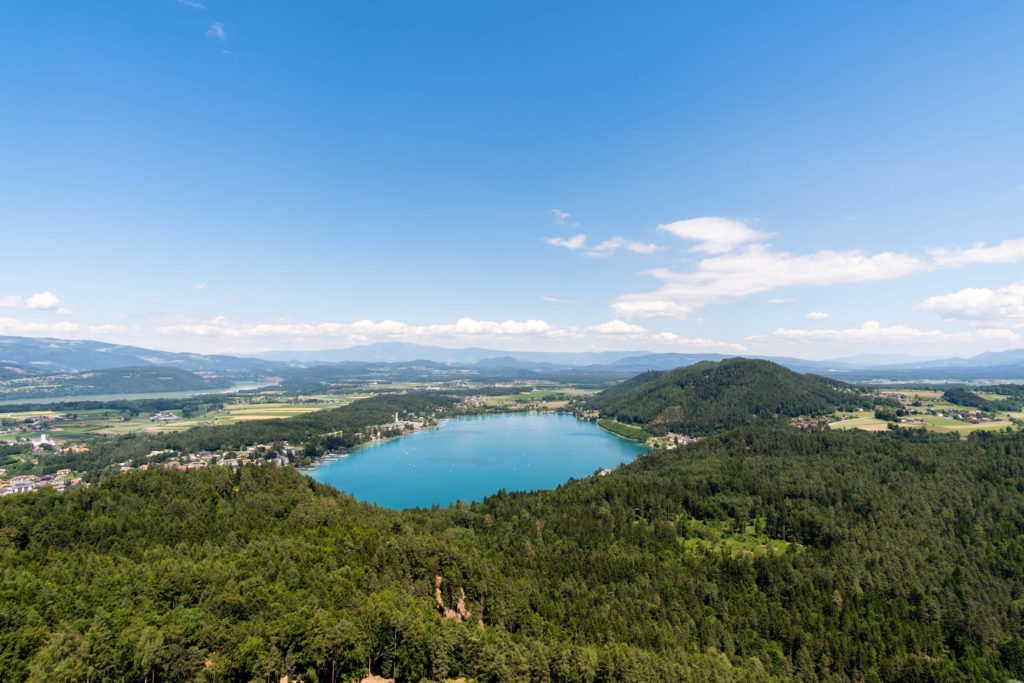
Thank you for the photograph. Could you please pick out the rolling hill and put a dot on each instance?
(129, 380)
(707, 397)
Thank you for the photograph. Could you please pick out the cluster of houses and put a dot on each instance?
(259, 454)
(811, 423)
(671, 441)
(59, 481)
(972, 416)
(163, 418)
(33, 423)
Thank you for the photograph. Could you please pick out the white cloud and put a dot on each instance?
(466, 330)
(365, 329)
(777, 302)
(10, 301)
(560, 216)
(199, 285)
(106, 329)
(979, 303)
(756, 269)
(873, 331)
(617, 327)
(609, 247)
(695, 344)
(574, 242)
(44, 301)
(816, 315)
(716, 235)
(65, 311)
(216, 30)
(193, 3)
(1008, 251)
(12, 326)
(557, 299)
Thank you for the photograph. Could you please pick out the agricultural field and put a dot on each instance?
(115, 422)
(544, 395)
(931, 400)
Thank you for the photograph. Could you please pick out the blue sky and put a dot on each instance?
(812, 180)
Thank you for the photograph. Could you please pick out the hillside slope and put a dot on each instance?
(707, 397)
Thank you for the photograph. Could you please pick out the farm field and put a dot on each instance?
(930, 399)
(113, 422)
(232, 414)
(868, 422)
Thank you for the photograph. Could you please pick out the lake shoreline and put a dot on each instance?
(471, 459)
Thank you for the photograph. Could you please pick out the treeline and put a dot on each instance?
(901, 558)
(962, 396)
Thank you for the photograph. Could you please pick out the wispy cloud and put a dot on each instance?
(873, 331)
(756, 269)
(574, 242)
(560, 216)
(557, 299)
(609, 247)
(816, 315)
(216, 30)
(681, 343)
(199, 285)
(195, 4)
(10, 301)
(738, 269)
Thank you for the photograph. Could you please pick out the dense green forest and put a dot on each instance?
(708, 397)
(138, 380)
(760, 554)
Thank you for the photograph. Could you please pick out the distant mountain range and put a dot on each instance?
(21, 356)
(46, 355)
(400, 352)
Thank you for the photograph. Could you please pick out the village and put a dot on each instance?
(278, 454)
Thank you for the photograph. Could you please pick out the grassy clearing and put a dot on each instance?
(722, 537)
(536, 395)
(868, 423)
(624, 430)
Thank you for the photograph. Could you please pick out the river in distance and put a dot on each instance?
(469, 458)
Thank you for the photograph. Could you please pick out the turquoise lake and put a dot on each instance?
(469, 458)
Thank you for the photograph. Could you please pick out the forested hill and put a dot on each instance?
(128, 380)
(762, 554)
(707, 397)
